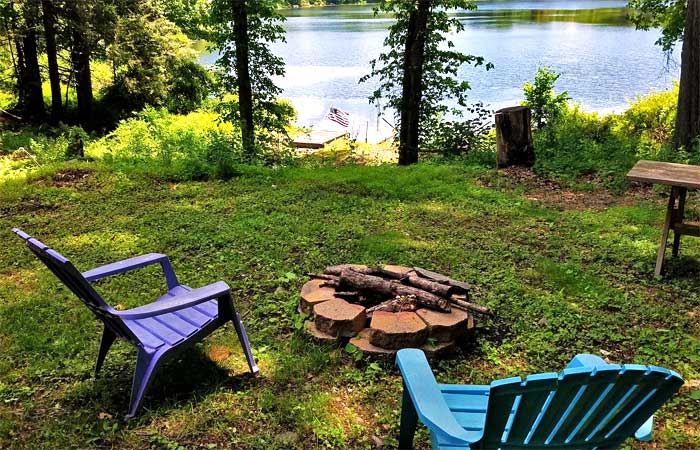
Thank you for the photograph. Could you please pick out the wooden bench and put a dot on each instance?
(680, 177)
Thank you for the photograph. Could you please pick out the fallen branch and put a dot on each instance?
(357, 280)
(471, 307)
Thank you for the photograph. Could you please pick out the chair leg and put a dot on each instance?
(146, 365)
(409, 421)
(108, 338)
(243, 338)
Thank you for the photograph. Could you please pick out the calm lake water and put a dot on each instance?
(603, 60)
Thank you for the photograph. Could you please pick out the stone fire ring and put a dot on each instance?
(382, 333)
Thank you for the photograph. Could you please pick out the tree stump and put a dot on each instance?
(514, 137)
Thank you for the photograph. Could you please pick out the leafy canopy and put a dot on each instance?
(669, 15)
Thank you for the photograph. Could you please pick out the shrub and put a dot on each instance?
(546, 106)
(453, 138)
(579, 143)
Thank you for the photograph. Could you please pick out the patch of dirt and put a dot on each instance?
(551, 193)
(219, 353)
(70, 177)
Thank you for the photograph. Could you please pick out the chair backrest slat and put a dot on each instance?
(534, 401)
(74, 280)
(582, 408)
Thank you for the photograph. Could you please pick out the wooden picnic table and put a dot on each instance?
(680, 177)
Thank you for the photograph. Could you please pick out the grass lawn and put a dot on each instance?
(567, 272)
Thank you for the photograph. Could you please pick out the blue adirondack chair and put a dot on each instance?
(159, 330)
(590, 405)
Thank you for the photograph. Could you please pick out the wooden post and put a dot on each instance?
(514, 137)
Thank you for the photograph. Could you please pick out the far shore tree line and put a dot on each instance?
(143, 40)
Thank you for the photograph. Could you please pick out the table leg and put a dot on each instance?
(665, 231)
(680, 215)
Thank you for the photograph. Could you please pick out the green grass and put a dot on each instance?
(563, 281)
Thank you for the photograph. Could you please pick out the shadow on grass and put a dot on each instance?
(189, 377)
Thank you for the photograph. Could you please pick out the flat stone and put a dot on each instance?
(312, 294)
(339, 318)
(438, 350)
(445, 327)
(361, 341)
(397, 330)
(316, 334)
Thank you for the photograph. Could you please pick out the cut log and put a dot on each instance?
(514, 137)
(323, 276)
(357, 280)
(339, 318)
(443, 290)
(471, 307)
(397, 330)
(313, 293)
(446, 327)
(336, 270)
(459, 286)
(397, 304)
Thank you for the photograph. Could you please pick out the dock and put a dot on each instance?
(316, 139)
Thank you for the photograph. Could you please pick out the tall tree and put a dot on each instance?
(688, 115)
(49, 19)
(418, 71)
(412, 91)
(678, 20)
(245, 90)
(30, 74)
(242, 32)
(80, 58)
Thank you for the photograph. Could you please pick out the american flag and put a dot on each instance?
(339, 116)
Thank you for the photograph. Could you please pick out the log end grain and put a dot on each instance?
(312, 294)
(397, 330)
(339, 318)
(445, 327)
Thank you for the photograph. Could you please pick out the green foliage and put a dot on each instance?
(154, 66)
(546, 106)
(441, 65)
(190, 85)
(669, 15)
(195, 146)
(579, 143)
(455, 138)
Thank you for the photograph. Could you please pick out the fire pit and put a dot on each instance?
(383, 309)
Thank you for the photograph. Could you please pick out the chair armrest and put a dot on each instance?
(586, 360)
(177, 303)
(427, 398)
(133, 264)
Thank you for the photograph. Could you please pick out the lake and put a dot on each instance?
(603, 59)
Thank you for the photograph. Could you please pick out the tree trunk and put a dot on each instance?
(514, 137)
(49, 17)
(688, 117)
(20, 74)
(80, 60)
(33, 94)
(245, 92)
(413, 83)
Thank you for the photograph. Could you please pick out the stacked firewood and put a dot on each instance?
(380, 289)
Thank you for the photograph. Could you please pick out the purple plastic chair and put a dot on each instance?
(159, 330)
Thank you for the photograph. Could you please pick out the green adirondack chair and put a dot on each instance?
(590, 405)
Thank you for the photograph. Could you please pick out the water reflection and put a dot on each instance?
(604, 61)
